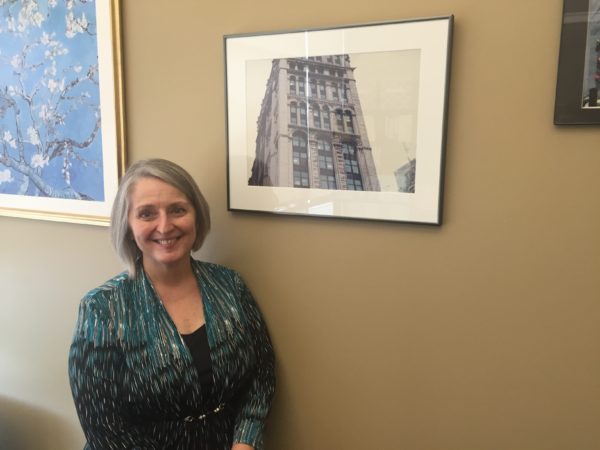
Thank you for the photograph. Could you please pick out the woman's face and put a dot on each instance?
(163, 223)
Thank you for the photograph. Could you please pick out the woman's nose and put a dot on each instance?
(164, 223)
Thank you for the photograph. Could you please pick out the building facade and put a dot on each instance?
(311, 130)
(405, 177)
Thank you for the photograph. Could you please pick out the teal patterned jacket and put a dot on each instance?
(132, 376)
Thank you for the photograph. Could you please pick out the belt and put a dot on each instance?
(203, 416)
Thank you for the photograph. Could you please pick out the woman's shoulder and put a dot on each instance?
(100, 307)
(218, 273)
(108, 289)
(214, 268)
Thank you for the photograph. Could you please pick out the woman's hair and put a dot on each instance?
(170, 173)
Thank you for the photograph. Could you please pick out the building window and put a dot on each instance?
(312, 85)
(346, 90)
(349, 125)
(293, 113)
(293, 85)
(303, 114)
(338, 61)
(322, 92)
(339, 120)
(325, 155)
(351, 167)
(334, 92)
(330, 59)
(301, 87)
(326, 168)
(327, 181)
(316, 113)
(354, 185)
(300, 160)
(326, 118)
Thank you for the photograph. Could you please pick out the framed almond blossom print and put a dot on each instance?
(61, 113)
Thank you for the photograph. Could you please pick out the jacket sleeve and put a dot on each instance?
(256, 402)
(95, 362)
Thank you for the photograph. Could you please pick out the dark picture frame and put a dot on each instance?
(342, 122)
(577, 100)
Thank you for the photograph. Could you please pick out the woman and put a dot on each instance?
(173, 353)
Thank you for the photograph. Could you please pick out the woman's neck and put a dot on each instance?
(169, 274)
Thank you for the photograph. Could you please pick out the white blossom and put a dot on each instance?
(55, 48)
(66, 170)
(38, 18)
(51, 70)
(54, 85)
(10, 25)
(77, 68)
(52, 3)
(39, 161)
(44, 113)
(34, 137)
(75, 25)
(5, 176)
(17, 61)
(9, 139)
(45, 39)
(29, 15)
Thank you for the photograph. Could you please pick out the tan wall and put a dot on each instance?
(480, 334)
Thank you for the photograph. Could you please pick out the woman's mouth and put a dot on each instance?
(166, 241)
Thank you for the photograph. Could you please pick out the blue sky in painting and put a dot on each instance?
(50, 142)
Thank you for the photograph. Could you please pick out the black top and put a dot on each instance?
(197, 343)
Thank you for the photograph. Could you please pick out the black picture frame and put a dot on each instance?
(364, 107)
(578, 49)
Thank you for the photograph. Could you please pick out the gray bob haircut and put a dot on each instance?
(170, 173)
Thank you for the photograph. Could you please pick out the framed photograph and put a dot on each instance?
(578, 81)
(345, 122)
(61, 111)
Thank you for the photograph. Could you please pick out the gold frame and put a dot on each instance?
(117, 114)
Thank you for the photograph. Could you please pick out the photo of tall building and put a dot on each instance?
(591, 81)
(310, 130)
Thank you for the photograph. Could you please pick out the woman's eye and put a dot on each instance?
(145, 214)
(179, 210)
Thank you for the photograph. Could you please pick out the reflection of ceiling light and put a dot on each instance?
(325, 209)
